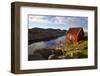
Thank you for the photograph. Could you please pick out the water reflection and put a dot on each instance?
(44, 44)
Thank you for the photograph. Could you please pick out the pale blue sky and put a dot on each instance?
(57, 22)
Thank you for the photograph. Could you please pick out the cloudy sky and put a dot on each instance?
(57, 22)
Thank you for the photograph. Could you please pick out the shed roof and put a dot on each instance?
(74, 30)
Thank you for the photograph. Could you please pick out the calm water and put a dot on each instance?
(44, 44)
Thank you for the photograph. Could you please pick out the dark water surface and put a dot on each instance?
(44, 44)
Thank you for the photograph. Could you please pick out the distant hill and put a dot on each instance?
(40, 34)
(86, 33)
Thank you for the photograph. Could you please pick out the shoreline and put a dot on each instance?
(45, 39)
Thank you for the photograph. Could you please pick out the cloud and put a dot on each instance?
(59, 22)
(39, 19)
(47, 19)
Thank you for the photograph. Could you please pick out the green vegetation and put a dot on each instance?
(72, 50)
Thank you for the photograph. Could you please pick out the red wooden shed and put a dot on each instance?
(75, 34)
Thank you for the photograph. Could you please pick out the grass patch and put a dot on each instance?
(73, 50)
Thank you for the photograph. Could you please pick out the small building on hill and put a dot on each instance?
(74, 34)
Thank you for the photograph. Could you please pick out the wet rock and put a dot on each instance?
(57, 52)
(36, 56)
(52, 57)
(44, 52)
